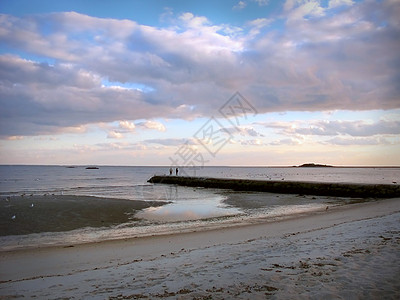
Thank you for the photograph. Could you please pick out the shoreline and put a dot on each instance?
(70, 271)
(235, 227)
(236, 208)
(241, 219)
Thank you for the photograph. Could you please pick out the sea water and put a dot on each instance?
(27, 192)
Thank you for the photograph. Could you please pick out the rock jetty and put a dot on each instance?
(286, 187)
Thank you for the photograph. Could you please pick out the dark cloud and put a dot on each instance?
(15, 71)
(319, 60)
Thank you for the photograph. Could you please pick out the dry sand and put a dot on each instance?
(347, 252)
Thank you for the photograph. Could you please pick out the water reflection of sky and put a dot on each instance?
(188, 204)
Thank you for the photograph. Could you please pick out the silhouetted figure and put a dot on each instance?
(170, 171)
(176, 172)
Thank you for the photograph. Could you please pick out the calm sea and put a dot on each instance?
(58, 205)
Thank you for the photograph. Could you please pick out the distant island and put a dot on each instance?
(92, 168)
(312, 165)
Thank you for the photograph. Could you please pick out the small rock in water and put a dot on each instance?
(13, 217)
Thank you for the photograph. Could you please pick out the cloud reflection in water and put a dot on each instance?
(183, 209)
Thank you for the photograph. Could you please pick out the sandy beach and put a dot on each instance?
(345, 252)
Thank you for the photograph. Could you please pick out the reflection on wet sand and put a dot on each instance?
(183, 208)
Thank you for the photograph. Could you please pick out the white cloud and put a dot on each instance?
(122, 146)
(337, 3)
(130, 126)
(154, 125)
(172, 141)
(361, 141)
(252, 142)
(318, 61)
(167, 15)
(257, 25)
(285, 142)
(126, 127)
(242, 130)
(332, 128)
(240, 5)
(298, 9)
(14, 138)
(260, 22)
(262, 2)
(115, 135)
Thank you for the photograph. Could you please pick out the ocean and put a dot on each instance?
(66, 205)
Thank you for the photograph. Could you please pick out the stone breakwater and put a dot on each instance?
(287, 187)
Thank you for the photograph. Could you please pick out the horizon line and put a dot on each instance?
(209, 166)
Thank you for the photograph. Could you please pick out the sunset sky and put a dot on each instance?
(251, 82)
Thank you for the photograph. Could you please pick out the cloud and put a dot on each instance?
(21, 72)
(14, 138)
(286, 142)
(167, 15)
(319, 58)
(257, 25)
(360, 141)
(240, 5)
(337, 3)
(332, 128)
(342, 133)
(262, 2)
(126, 125)
(171, 141)
(260, 22)
(38, 98)
(299, 9)
(244, 131)
(115, 135)
(130, 127)
(154, 125)
(252, 142)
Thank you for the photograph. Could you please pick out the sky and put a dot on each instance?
(196, 83)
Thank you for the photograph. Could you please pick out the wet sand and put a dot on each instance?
(57, 213)
(349, 251)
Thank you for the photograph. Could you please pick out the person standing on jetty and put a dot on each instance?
(176, 171)
(170, 171)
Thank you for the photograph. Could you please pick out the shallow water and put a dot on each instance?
(36, 214)
(110, 197)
